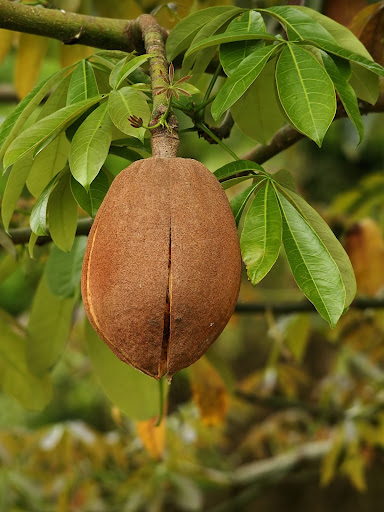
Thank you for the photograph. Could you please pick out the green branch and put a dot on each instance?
(71, 28)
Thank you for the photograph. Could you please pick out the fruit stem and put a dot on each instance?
(161, 402)
(165, 140)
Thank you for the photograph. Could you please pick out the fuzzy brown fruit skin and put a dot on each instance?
(162, 268)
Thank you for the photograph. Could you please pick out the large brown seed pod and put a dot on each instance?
(162, 268)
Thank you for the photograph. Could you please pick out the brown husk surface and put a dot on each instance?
(156, 210)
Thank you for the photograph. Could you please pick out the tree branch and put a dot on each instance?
(71, 28)
(263, 471)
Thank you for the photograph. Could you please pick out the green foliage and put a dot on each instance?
(63, 269)
(232, 55)
(309, 243)
(133, 392)
(261, 236)
(49, 323)
(90, 146)
(127, 102)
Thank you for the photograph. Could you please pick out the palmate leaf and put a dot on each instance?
(202, 59)
(260, 102)
(62, 214)
(38, 220)
(313, 268)
(306, 92)
(234, 168)
(301, 27)
(45, 130)
(232, 54)
(329, 240)
(90, 146)
(182, 35)
(14, 187)
(50, 161)
(239, 202)
(13, 124)
(346, 93)
(260, 240)
(124, 68)
(90, 201)
(83, 83)
(245, 74)
(231, 37)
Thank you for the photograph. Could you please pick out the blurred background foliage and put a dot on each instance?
(279, 402)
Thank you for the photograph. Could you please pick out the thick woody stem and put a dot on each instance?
(71, 28)
(165, 140)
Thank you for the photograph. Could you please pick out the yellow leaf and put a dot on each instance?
(153, 437)
(365, 248)
(31, 52)
(353, 466)
(6, 38)
(209, 392)
(70, 54)
(330, 461)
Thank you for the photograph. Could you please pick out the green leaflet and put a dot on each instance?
(62, 214)
(236, 85)
(83, 85)
(124, 68)
(232, 37)
(127, 102)
(50, 161)
(341, 34)
(260, 240)
(235, 181)
(306, 92)
(134, 393)
(14, 188)
(38, 220)
(239, 202)
(45, 130)
(329, 240)
(57, 99)
(14, 122)
(90, 146)
(313, 268)
(90, 201)
(48, 328)
(346, 93)
(300, 27)
(233, 54)
(240, 166)
(365, 83)
(285, 178)
(15, 377)
(63, 269)
(208, 30)
(258, 113)
(182, 35)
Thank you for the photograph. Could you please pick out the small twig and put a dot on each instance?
(214, 137)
